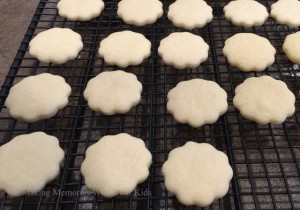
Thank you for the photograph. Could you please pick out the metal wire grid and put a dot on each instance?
(265, 159)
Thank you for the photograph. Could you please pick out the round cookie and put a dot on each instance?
(113, 92)
(197, 174)
(81, 10)
(240, 13)
(140, 13)
(249, 52)
(197, 102)
(183, 50)
(116, 164)
(291, 47)
(28, 162)
(286, 12)
(190, 14)
(264, 100)
(56, 45)
(125, 48)
(38, 97)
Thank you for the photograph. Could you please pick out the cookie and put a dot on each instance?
(140, 13)
(264, 100)
(183, 50)
(286, 12)
(113, 92)
(116, 164)
(291, 47)
(249, 52)
(81, 10)
(55, 45)
(197, 102)
(125, 48)
(37, 97)
(28, 162)
(190, 14)
(240, 13)
(197, 174)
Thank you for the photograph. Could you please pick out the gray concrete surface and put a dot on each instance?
(15, 16)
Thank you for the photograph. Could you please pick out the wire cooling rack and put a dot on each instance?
(265, 159)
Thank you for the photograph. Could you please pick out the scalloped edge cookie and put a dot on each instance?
(56, 45)
(240, 13)
(140, 13)
(28, 162)
(81, 10)
(197, 174)
(37, 97)
(286, 12)
(125, 48)
(291, 47)
(116, 164)
(183, 50)
(197, 102)
(190, 14)
(264, 100)
(124, 92)
(249, 52)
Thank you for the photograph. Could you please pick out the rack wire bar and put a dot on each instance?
(265, 158)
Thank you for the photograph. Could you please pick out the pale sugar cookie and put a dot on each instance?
(125, 48)
(82, 10)
(197, 102)
(38, 97)
(113, 92)
(246, 13)
(190, 14)
(56, 45)
(264, 100)
(286, 12)
(183, 50)
(249, 52)
(140, 13)
(116, 164)
(291, 47)
(28, 162)
(197, 174)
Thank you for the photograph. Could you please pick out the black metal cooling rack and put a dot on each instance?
(265, 159)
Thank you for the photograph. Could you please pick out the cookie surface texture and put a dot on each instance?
(183, 50)
(81, 10)
(286, 12)
(264, 100)
(249, 52)
(246, 13)
(140, 13)
(197, 102)
(56, 45)
(37, 97)
(28, 162)
(197, 174)
(116, 164)
(113, 92)
(190, 14)
(125, 48)
(291, 47)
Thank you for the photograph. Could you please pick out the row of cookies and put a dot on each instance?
(248, 13)
(115, 165)
(124, 161)
(246, 51)
(41, 96)
(168, 170)
(195, 102)
(188, 14)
